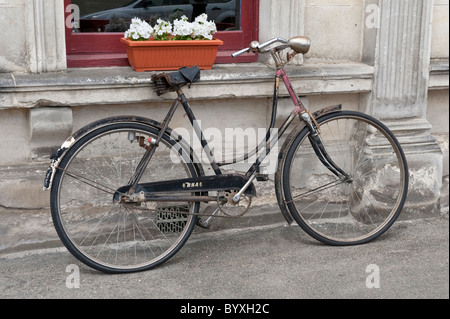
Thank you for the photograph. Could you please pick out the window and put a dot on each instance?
(95, 40)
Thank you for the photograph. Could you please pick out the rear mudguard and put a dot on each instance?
(58, 155)
(282, 155)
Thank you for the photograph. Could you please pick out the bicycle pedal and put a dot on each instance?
(203, 224)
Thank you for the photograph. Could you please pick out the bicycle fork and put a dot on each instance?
(313, 127)
(319, 148)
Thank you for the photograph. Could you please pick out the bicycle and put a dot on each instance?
(126, 191)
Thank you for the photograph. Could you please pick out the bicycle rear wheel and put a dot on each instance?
(346, 213)
(118, 237)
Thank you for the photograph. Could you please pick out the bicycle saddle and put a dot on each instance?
(171, 82)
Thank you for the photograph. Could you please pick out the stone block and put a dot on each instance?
(49, 128)
(439, 40)
(13, 50)
(21, 186)
(425, 185)
(343, 24)
(13, 136)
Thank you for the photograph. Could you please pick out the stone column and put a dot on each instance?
(45, 35)
(398, 46)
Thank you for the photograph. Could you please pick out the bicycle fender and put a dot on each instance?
(279, 190)
(57, 155)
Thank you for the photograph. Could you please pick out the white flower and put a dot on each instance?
(162, 29)
(201, 28)
(135, 21)
(202, 18)
(204, 28)
(182, 27)
(139, 30)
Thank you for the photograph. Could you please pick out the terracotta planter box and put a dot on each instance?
(171, 55)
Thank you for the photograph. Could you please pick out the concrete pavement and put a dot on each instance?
(264, 262)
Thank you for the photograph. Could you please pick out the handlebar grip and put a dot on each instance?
(240, 52)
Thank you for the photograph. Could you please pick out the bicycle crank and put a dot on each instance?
(230, 207)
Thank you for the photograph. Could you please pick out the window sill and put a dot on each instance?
(117, 85)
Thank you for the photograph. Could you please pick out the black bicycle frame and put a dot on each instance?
(267, 144)
(204, 184)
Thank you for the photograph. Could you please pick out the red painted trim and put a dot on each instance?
(97, 60)
(105, 49)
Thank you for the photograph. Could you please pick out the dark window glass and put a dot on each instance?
(116, 15)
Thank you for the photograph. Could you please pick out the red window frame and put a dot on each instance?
(105, 49)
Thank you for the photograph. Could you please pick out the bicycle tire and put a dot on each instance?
(120, 238)
(336, 212)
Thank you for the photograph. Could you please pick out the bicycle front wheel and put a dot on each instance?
(339, 212)
(118, 237)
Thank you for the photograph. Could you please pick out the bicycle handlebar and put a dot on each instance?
(299, 44)
(274, 40)
(257, 47)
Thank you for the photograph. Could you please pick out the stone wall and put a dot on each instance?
(387, 58)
